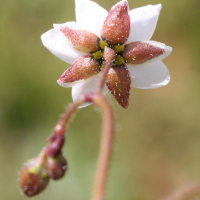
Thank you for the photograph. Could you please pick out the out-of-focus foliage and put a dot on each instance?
(157, 139)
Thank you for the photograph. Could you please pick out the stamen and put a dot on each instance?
(97, 55)
(103, 44)
(119, 48)
(119, 60)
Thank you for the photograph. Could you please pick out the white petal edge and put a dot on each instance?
(143, 22)
(72, 84)
(54, 43)
(149, 75)
(90, 16)
(89, 86)
(71, 25)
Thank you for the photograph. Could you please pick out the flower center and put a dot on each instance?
(98, 55)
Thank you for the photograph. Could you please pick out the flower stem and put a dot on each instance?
(109, 56)
(57, 140)
(60, 127)
(188, 191)
(105, 147)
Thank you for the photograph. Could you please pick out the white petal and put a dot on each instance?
(149, 75)
(143, 22)
(54, 43)
(72, 84)
(71, 25)
(90, 16)
(89, 86)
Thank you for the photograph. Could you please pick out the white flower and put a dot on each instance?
(138, 62)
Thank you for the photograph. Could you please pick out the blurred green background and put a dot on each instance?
(157, 142)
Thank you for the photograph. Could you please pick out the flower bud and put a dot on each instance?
(56, 166)
(56, 144)
(34, 177)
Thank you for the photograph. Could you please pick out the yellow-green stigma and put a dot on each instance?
(119, 48)
(97, 55)
(119, 60)
(103, 44)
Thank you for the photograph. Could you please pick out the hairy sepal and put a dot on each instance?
(83, 68)
(119, 83)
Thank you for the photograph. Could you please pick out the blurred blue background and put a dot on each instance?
(157, 142)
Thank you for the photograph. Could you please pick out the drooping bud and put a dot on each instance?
(81, 40)
(34, 177)
(56, 166)
(83, 68)
(116, 27)
(119, 82)
(143, 51)
(56, 143)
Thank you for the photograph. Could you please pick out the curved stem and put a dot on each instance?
(105, 147)
(57, 140)
(60, 127)
(186, 192)
(107, 131)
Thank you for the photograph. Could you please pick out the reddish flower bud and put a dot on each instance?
(116, 27)
(143, 51)
(34, 177)
(83, 68)
(56, 166)
(56, 143)
(119, 83)
(81, 40)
